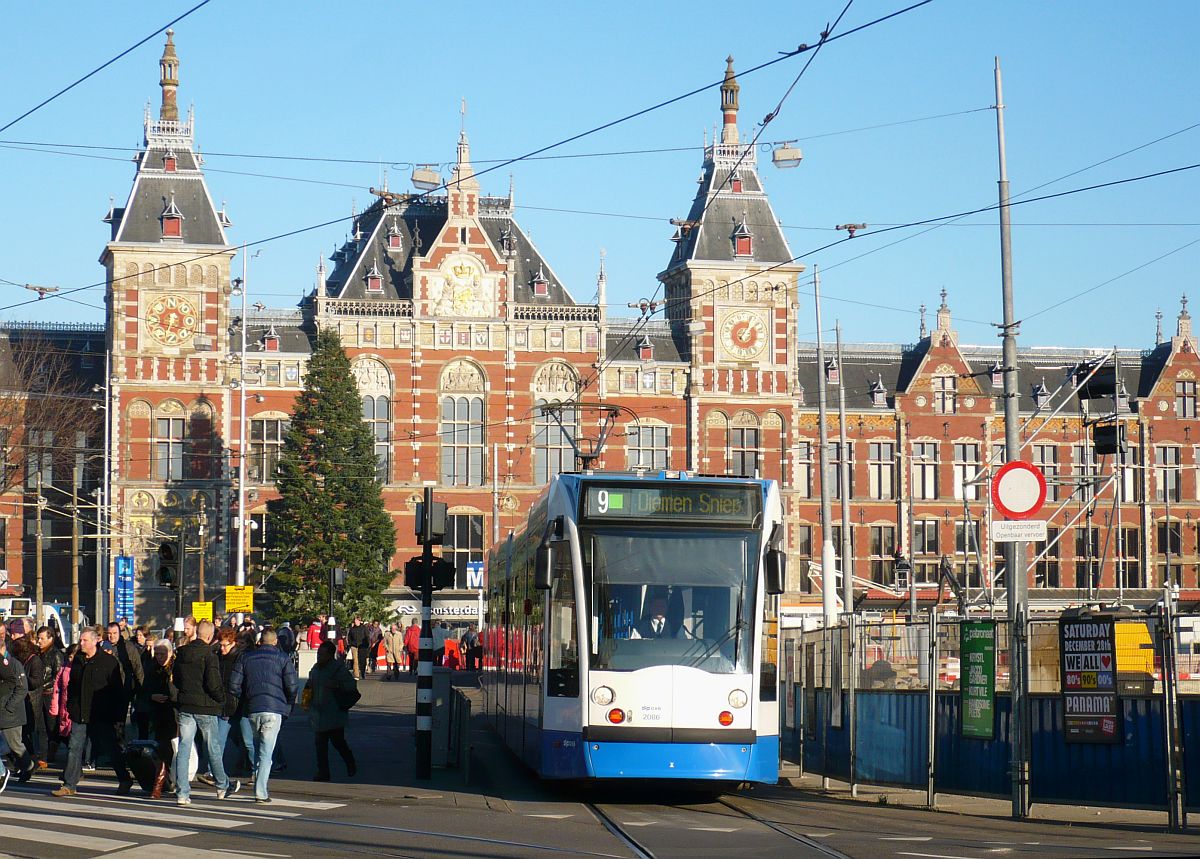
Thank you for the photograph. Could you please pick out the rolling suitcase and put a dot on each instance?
(141, 757)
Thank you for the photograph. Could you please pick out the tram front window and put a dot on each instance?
(671, 598)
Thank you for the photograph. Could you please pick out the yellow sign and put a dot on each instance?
(202, 611)
(239, 599)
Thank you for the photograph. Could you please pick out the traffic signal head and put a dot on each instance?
(443, 574)
(1108, 438)
(168, 563)
(431, 523)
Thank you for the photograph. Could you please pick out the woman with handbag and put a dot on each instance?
(160, 697)
(331, 692)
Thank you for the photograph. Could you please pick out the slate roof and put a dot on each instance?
(153, 190)
(419, 223)
(719, 210)
(896, 365)
(294, 329)
(623, 336)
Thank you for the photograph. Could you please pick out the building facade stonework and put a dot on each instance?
(460, 332)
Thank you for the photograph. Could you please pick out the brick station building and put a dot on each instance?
(459, 330)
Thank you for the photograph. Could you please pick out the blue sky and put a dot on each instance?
(381, 82)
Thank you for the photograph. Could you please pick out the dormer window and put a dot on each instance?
(169, 162)
(645, 349)
(171, 220)
(271, 341)
(833, 373)
(374, 280)
(541, 286)
(1041, 395)
(997, 375)
(735, 183)
(395, 241)
(878, 394)
(743, 241)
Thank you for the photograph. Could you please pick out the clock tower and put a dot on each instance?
(731, 295)
(167, 271)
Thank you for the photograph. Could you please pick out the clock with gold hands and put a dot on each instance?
(172, 319)
(743, 335)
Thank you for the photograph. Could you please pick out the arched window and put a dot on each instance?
(553, 453)
(462, 437)
(377, 415)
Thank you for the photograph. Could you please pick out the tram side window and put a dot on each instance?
(563, 661)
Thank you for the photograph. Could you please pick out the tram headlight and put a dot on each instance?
(602, 696)
(738, 699)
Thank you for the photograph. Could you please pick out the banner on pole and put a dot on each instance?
(978, 648)
(239, 599)
(1091, 709)
(123, 594)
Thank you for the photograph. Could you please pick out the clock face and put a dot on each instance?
(172, 319)
(743, 334)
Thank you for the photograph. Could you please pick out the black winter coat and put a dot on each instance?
(197, 676)
(13, 691)
(96, 690)
(357, 636)
(52, 661)
(233, 707)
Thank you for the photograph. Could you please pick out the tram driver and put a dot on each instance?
(656, 624)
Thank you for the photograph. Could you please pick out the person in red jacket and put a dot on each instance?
(314, 632)
(412, 644)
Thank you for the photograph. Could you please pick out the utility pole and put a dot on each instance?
(424, 760)
(828, 578)
(41, 503)
(180, 585)
(1014, 553)
(75, 553)
(200, 574)
(847, 558)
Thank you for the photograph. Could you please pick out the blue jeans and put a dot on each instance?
(266, 731)
(247, 729)
(214, 743)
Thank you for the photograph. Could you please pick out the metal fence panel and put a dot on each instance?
(1189, 724)
(892, 741)
(966, 765)
(1131, 774)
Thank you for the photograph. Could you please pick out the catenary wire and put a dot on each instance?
(101, 67)
(785, 55)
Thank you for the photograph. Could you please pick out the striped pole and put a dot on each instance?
(425, 656)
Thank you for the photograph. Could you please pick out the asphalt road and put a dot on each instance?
(505, 812)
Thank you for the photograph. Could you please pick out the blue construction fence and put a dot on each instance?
(892, 744)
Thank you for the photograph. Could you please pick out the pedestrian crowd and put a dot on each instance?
(160, 710)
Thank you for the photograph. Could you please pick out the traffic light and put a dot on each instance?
(431, 523)
(414, 573)
(168, 563)
(1108, 438)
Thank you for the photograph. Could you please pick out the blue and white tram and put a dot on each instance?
(630, 629)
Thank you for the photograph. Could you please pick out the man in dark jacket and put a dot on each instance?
(356, 641)
(265, 679)
(197, 677)
(13, 691)
(95, 703)
(131, 661)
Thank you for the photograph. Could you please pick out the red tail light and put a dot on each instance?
(726, 718)
(616, 716)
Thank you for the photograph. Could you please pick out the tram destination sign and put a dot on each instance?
(1091, 709)
(682, 502)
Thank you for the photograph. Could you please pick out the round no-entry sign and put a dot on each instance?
(1019, 490)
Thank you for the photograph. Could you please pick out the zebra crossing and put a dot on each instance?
(97, 822)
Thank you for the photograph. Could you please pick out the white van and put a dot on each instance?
(53, 615)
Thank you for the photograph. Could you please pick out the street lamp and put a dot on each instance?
(105, 609)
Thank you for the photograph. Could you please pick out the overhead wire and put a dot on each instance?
(101, 67)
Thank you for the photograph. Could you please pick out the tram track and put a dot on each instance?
(642, 846)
